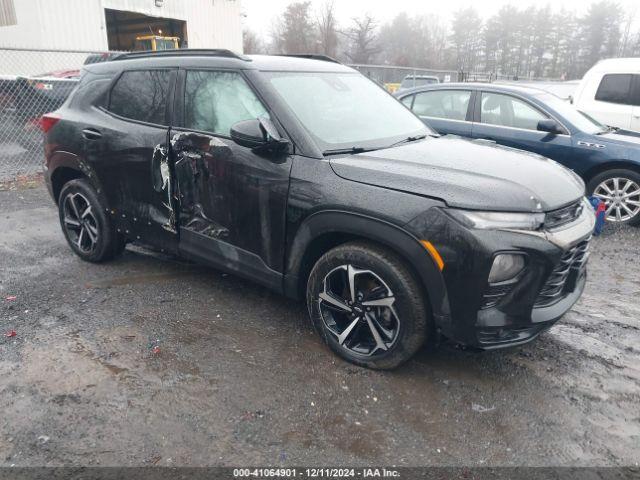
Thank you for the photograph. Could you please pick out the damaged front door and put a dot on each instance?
(232, 200)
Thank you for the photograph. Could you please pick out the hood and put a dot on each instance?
(466, 174)
(623, 138)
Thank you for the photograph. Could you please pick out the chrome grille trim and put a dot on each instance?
(564, 215)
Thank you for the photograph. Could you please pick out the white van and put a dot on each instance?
(610, 93)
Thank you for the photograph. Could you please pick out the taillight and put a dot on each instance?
(48, 120)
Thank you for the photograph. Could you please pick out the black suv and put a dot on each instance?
(305, 176)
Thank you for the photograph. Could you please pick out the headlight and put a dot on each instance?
(498, 220)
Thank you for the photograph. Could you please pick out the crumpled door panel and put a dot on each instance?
(195, 181)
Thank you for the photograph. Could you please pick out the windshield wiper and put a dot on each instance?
(608, 129)
(354, 150)
(343, 151)
(411, 139)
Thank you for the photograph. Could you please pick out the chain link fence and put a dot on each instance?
(33, 82)
(391, 76)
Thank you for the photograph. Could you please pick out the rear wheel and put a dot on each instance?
(620, 191)
(85, 225)
(367, 305)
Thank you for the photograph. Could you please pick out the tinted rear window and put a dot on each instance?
(141, 95)
(615, 88)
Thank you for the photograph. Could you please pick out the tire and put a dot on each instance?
(93, 238)
(628, 181)
(383, 278)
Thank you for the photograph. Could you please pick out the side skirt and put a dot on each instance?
(224, 256)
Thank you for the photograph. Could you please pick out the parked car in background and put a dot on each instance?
(607, 159)
(562, 90)
(305, 176)
(610, 93)
(73, 74)
(35, 96)
(412, 81)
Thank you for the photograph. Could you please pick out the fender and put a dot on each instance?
(401, 241)
(60, 161)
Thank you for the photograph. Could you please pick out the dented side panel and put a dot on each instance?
(232, 196)
(124, 160)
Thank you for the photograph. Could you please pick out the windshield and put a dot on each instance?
(572, 115)
(345, 110)
(165, 44)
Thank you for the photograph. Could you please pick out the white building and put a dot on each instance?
(102, 25)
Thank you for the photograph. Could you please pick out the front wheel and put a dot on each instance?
(367, 305)
(620, 191)
(85, 225)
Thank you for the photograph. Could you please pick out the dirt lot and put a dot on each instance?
(238, 377)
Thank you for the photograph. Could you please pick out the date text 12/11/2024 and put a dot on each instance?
(315, 473)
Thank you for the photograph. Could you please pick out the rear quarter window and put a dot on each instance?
(141, 95)
(615, 88)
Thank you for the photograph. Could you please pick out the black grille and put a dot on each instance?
(495, 293)
(569, 267)
(564, 215)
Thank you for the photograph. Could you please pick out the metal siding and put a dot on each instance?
(44, 24)
(79, 24)
(7, 13)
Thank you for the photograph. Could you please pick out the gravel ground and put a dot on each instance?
(149, 360)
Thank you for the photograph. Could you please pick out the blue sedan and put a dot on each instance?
(529, 119)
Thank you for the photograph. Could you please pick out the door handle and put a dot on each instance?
(91, 134)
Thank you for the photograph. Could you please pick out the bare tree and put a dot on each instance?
(362, 39)
(399, 41)
(626, 45)
(328, 30)
(600, 31)
(438, 55)
(294, 32)
(515, 42)
(251, 42)
(466, 38)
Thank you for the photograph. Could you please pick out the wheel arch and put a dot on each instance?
(325, 230)
(64, 167)
(610, 165)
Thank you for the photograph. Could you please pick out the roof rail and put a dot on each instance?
(311, 56)
(182, 52)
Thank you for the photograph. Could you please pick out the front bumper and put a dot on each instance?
(494, 316)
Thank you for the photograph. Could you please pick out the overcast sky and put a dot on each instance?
(260, 13)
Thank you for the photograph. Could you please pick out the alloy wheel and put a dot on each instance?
(358, 308)
(621, 197)
(80, 223)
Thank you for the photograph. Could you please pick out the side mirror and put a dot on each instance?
(260, 135)
(550, 126)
